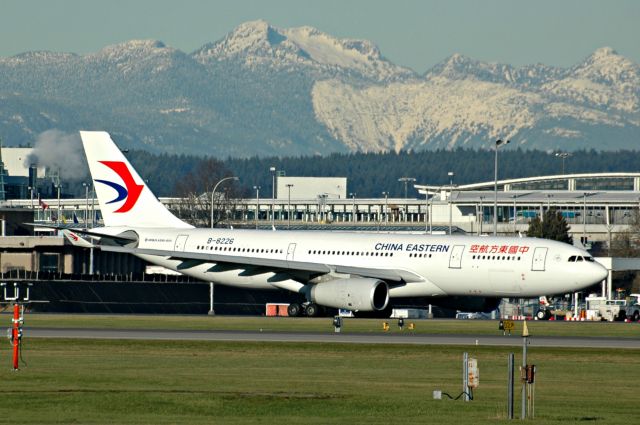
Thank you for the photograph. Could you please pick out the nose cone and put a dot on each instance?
(590, 274)
(601, 272)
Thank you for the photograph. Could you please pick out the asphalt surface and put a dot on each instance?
(343, 337)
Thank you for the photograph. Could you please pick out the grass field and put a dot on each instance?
(165, 382)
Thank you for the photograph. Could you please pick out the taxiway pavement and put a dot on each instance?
(333, 337)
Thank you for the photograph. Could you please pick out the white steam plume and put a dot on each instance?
(61, 151)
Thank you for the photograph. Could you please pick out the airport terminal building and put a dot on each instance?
(596, 205)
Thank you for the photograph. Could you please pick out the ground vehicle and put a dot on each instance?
(600, 308)
(612, 310)
(632, 308)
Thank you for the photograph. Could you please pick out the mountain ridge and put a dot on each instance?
(263, 90)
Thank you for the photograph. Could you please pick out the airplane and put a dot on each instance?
(361, 272)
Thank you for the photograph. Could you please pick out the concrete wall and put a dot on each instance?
(310, 187)
(16, 261)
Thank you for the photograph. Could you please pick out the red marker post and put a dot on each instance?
(16, 334)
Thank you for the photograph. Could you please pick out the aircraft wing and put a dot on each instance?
(76, 239)
(118, 238)
(192, 259)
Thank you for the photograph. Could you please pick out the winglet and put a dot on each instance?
(76, 239)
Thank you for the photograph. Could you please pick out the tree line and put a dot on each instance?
(370, 174)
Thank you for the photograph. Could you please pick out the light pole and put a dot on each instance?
(584, 218)
(498, 143)
(386, 215)
(214, 191)
(406, 180)
(86, 205)
(93, 207)
(58, 186)
(273, 194)
(31, 195)
(450, 174)
(515, 213)
(481, 216)
(430, 213)
(430, 205)
(289, 186)
(426, 211)
(563, 155)
(257, 189)
(354, 214)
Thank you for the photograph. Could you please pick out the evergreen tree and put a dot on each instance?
(553, 226)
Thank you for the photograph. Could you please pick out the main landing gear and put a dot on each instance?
(306, 309)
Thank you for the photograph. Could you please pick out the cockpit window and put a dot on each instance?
(575, 258)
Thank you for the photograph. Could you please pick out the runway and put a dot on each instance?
(331, 337)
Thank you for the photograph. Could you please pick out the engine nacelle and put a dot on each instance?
(357, 294)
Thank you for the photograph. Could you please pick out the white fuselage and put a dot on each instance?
(446, 265)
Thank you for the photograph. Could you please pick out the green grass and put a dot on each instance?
(164, 382)
(470, 327)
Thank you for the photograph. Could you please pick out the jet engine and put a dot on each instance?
(356, 294)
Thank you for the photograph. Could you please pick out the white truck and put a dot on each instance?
(600, 308)
(632, 308)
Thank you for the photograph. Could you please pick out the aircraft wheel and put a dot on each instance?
(312, 310)
(294, 310)
(542, 315)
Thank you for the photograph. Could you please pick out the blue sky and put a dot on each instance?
(413, 33)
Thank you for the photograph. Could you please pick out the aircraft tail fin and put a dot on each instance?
(124, 198)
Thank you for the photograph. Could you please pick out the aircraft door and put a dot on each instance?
(539, 257)
(455, 261)
(290, 251)
(181, 241)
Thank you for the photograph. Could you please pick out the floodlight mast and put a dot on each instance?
(406, 180)
(498, 143)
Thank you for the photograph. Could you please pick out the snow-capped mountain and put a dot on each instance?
(595, 104)
(257, 44)
(270, 91)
